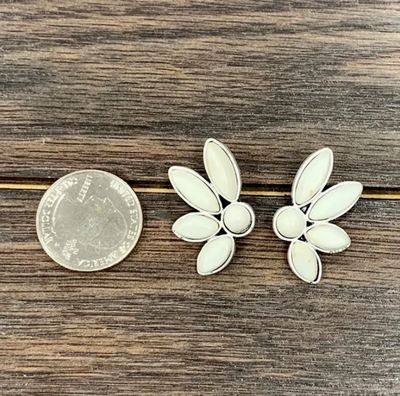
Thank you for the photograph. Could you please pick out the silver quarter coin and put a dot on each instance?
(89, 220)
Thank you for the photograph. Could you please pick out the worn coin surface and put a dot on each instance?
(89, 220)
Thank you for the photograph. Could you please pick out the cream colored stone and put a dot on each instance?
(215, 255)
(328, 237)
(304, 261)
(221, 171)
(194, 190)
(336, 201)
(290, 222)
(314, 177)
(196, 227)
(237, 218)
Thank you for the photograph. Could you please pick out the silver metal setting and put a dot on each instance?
(209, 185)
(186, 239)
(275, 228)
(293, 268)
(301, 170)
(228, 260)
(328, 251)
(306, 208)
(218, 216)
(249, 230)
(233, 162)
(322, 194)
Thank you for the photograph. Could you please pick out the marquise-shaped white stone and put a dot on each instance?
(335, 202)
(304, 262)
(328, 238)
(215, 255)
(222, 169)
(196, 227)
(194, 189)
(312, 176)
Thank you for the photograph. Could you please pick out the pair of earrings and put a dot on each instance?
(221, 217)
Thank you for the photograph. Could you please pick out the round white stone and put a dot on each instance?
(237, 218)
(291, 222)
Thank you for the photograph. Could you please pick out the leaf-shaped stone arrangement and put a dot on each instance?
(306, 223)
(235, 220)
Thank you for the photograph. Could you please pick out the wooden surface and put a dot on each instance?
(135, 87)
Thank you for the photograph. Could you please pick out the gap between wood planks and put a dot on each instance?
(275, 191)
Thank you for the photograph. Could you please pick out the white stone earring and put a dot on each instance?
(235, 220)
(306, 223)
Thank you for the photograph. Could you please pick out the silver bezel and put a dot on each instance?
(218, 194)
(324, 250)
(275, 221)
(322, 194)
(209, 185)
(234, 163)
(252, 216)
(197, 240)
(306, 209)
(292, 267)
(226, 263)
(300, 172)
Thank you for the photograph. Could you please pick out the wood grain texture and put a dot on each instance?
(151, 325)
(134, 87)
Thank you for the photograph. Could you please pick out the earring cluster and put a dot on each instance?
(91, 220)
(235, 220)
(306, 224)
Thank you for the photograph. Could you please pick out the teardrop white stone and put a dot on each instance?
(290, 222)
(194, 190)
(215, 255)
(313, 178)
(328, 238)
(304, 261)
(220, 166)
(335, 202)
(196, 227)
(237, 218)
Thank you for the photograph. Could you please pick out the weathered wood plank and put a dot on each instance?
(135, 87)
(151, 325)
